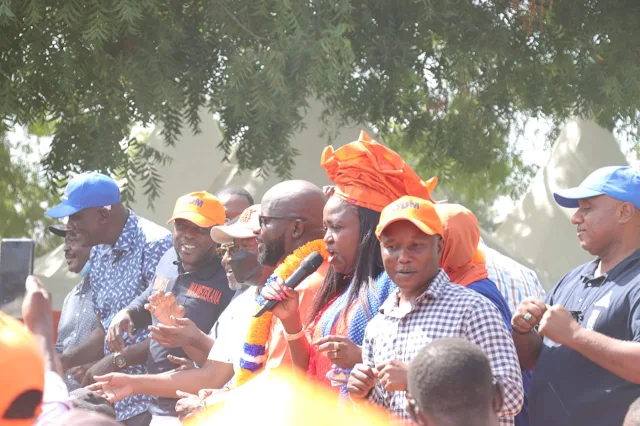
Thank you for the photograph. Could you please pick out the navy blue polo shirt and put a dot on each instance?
(568, 389)
(204, 294)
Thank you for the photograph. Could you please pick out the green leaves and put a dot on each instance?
(443, 82)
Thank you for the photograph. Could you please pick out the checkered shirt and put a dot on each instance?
(514, 281)
(443, 310)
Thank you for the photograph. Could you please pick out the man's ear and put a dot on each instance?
(417, 415)
(298, 229)
(626, 212)
(497, 401)
(440, 246)
(104, 213)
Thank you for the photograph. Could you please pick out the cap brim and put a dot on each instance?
(58, 230)
(196, 218)
(226, 234)
(421, 226)
(62, 210)
(569, 197)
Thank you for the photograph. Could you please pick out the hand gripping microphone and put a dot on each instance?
(307, 267)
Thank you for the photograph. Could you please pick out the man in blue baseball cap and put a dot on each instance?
(584, 340)
(125, 252)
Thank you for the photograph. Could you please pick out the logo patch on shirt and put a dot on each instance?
(592, 319)
(605, 301)
(205, 293)
(160, 283)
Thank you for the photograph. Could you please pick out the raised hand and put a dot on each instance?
(163, 306)
(183, 333)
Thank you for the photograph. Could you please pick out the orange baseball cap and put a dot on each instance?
(201, 208)
(242, 228)
(22, 372)
(421, 213)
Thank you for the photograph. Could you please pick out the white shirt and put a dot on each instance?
(232, 328)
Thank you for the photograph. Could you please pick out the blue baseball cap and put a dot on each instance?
(619, 182)
(89, 189)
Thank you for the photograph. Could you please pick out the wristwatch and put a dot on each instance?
(119, 360)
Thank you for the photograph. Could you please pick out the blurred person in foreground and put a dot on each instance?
(303, 402)
(33, 392)
(450, 384)
(77, 317)
(426, 306)
(583, 339)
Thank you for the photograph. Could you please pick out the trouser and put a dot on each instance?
(142, 419)
(164, 421)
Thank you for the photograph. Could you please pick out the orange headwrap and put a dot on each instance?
(371, 175)
(461, 259)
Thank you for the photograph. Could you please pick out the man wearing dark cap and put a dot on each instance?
(77, 318)
(586, 349)
(126, 251)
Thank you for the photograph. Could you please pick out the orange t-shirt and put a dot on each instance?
(277, 347)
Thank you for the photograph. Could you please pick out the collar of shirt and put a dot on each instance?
(83, 286)
(588, 273)
(391, 306)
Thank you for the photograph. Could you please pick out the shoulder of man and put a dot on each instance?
(569, 279)
(152, 232)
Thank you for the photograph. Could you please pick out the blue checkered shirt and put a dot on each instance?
(120, 273)
(514, 281)
(443, 310)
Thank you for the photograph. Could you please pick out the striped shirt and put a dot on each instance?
(514, 281)
(443, 310)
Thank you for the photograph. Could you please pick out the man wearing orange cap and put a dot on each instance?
(192, 272)
(426, 306)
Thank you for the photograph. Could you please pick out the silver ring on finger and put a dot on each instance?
(335, 354)
(528, 316)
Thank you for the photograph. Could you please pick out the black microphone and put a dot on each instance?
(307, 267)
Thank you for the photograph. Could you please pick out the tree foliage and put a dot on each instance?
(23, 198)
(442, 81)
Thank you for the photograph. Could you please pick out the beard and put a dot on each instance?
(272, 253)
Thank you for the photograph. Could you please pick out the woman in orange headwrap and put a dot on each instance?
(465, 265)
(367, 177)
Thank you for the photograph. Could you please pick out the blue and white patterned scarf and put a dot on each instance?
(382, 288)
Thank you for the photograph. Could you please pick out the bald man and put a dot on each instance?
(291, 216)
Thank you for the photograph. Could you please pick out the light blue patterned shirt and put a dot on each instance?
(120, 273)
(77, 322)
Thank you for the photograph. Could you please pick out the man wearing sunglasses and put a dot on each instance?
(192, 272)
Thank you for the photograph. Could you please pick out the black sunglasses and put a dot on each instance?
(263, 220)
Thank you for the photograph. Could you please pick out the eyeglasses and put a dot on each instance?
(263, 220)
(222, 250)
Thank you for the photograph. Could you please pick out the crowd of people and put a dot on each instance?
(410, 313)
